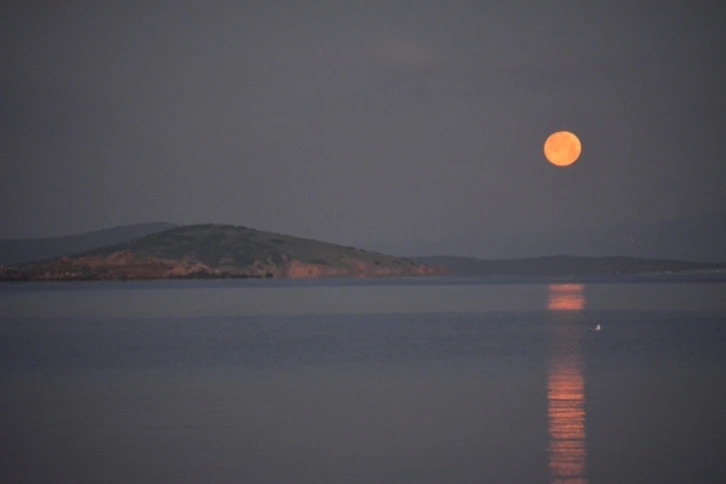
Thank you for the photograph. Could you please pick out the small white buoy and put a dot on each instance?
(597, 328)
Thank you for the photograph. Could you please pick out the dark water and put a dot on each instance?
(435, 381)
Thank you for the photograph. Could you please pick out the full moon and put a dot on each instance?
(562, 148)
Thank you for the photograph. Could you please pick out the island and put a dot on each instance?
(218, 251)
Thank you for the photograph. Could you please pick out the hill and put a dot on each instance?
(218, 251)
(564, 266)
(16, 251)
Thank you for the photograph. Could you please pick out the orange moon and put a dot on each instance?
(562, 148)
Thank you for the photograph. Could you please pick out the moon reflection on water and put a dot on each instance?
(567, 449)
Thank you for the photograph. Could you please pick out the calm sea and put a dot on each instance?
(387, 381)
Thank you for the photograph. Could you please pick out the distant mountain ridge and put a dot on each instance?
(558, 266)
(214, 251)
(701, 239)
(698, 238)
(16, 251)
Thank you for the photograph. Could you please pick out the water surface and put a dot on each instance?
(400, 381)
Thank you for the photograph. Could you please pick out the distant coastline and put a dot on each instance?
(212, 251)
(569, 266)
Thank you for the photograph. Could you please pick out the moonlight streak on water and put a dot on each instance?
(566, 387)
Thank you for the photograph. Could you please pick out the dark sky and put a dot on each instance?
(359, 122)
